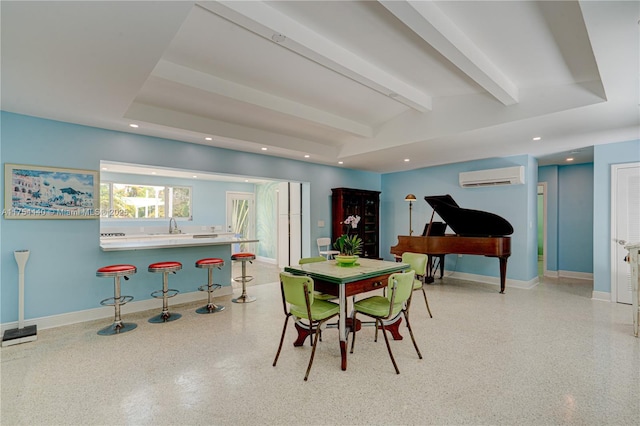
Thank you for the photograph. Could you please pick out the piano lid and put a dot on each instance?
(468, 222)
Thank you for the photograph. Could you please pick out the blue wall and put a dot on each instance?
(603, 157)
(515, 203)
(575, 218)
(65, 254)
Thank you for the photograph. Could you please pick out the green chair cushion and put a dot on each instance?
(321, 309)
(376, 306)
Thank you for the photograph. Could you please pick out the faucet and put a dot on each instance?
(175, 229)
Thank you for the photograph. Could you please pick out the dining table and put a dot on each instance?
(344, 281)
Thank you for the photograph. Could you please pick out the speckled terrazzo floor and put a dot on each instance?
(545, 356)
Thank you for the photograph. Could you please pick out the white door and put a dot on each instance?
(241, 218)
(625, 216)
(289, 223)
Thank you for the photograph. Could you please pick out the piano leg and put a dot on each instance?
(503, 273)
(434, 262)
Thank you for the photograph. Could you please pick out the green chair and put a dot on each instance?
(384, 308)
(317, 294)
(418, 262)
(298, 301)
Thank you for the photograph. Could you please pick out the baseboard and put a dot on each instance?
(576, 275)
(107, 312)
(526, 285)
(551, 274)
(603, 296)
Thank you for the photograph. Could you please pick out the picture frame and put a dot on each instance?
(40, 192)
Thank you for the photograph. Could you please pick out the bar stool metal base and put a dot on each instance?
(117, 329)
(164, 317)
(244, 299)
(210, 309)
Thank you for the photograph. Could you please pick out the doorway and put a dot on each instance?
(241, 218)
(625, 226)
(542, 228)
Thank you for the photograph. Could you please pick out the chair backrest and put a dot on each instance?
(324, 242)
(304, 260)
(417, 262)
(400, 287)
(293, 289)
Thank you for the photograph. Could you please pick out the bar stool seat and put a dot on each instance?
(117, 271)
(244, 278)
(165, 268)
(209, 263)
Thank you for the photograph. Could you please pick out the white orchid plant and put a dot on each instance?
(349, 245)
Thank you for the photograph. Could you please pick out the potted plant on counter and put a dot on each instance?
(350, 246)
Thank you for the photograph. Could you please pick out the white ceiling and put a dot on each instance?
(368, 83)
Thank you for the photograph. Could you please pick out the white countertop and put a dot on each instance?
(145, 242)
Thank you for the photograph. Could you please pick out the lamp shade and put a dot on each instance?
(410, 197)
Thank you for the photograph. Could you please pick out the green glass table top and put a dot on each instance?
(330, 271)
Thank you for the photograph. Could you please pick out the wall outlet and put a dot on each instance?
(321, 224)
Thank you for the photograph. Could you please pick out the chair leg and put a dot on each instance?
(415, 345)
(284, 329)
(424, 293)
(315, 344)
(386, 339)
(353, 329)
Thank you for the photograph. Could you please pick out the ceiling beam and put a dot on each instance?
(433, 26)
(265, 21)
(207, 82)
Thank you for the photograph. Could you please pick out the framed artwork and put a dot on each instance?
(38, 192)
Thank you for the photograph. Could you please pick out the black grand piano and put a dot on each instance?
(476, 232)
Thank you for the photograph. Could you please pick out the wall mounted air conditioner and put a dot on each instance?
(493, 177)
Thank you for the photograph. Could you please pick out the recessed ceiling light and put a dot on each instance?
(195, 176)
(306, 156)
(246, 180)
(208, 139)
(340, 162)
(406, 160)
(104, 168)
(570, 159)
(537, 138)
(135, 126)
(153, 173)
(263, 148)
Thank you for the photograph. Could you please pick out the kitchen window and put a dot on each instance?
(127, 201)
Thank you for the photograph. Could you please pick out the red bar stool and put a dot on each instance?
(116, 271)
(244, 278)
(210, 263)
(165, 268)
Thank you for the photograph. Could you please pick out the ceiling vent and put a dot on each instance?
(493, 177)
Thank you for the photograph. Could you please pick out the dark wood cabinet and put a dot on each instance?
(347, 202)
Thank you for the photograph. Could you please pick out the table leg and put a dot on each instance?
(342, 325)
